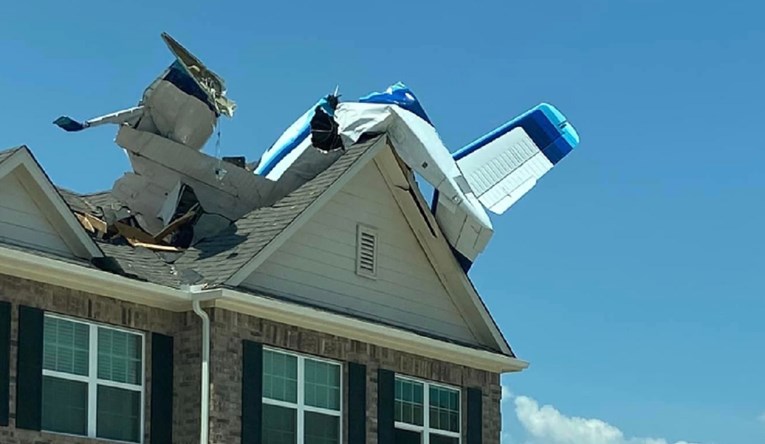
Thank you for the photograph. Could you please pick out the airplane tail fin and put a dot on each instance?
(505, 164)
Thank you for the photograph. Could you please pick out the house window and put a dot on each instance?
(92, 380)
(426, 413)
(301, 399)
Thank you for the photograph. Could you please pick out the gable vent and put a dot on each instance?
(366, 252)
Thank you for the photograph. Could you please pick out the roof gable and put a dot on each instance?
(231, 256)
(406, 192)
(458, 291)
(318, 265)
(34, 213)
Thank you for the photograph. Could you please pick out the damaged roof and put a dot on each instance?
(214, 260)
(218, 258)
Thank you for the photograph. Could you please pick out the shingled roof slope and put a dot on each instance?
(216, 259)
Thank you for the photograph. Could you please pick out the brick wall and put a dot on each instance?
(109, 311)
(228, 330)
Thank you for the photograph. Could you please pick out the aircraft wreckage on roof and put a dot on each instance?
(177, 196)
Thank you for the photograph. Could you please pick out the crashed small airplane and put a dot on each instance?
(173, 182)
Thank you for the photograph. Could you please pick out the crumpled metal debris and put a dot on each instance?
(210, 83)
(162, 137)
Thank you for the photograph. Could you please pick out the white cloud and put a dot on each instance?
(506, 394)
(760, 418)
(546, 425)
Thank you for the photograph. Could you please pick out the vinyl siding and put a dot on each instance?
(23, 222)
(317, 265)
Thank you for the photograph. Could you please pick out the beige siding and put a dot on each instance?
(22, 221)
(317, 264)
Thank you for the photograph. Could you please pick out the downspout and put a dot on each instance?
(204, 411)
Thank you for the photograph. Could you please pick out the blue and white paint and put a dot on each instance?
(503, 165)
(297, 138)
(493, 172)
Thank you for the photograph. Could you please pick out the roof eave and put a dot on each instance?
(352, 328)
(55, 272)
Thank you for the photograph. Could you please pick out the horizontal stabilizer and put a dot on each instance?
(128, 116)
(69, 124)
(502, 166)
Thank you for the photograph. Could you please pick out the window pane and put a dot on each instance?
(119, 414)
(279, 376)
(279, 425)
(408, 437)
(322, 384)
(64, 406)
(438, 439)
(119, 356)
(65, 346)
(444, 409)
(409, 403)
(321, 429)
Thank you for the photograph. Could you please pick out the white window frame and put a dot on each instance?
(425, 430)
(300, 406)
(93, 381)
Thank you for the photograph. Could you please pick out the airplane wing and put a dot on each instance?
(502, 166)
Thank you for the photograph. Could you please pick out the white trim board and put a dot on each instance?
(97, 282)
(360, 330)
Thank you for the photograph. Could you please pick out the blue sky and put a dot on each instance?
(628, 277)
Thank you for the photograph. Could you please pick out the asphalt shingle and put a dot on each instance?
(218, 258)
(103, 199)
(75, 201)
(215, 259)
(138, 263)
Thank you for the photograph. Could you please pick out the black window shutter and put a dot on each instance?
(252, 392)
(474, 416)
(386, 393)
(161, 428)
(5, 361)
(357, 403)
(29, 369)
